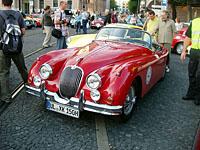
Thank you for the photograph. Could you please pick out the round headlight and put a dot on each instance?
(37, 81)
(45, 71)
(95, 95)
(94, 81)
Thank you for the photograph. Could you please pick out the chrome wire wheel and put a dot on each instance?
(130, 101)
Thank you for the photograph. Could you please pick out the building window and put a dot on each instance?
(69, 3)
(55, 3)
(41, 5)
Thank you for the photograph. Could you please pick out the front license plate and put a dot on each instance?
(63, 109)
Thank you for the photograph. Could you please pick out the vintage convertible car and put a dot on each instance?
(107, 76)
(98, 22)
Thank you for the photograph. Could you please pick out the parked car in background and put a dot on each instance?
(177, 43)
(30, 23)
(98, 22)
(80, 40)
(107, 76)
(38, 19)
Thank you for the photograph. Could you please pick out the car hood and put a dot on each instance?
(102, 53)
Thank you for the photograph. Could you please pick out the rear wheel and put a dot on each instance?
(179, 48)
(129, 104)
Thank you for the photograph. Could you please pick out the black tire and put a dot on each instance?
(129, 104)
(178, 48)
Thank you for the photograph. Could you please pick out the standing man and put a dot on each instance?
(15, 20)
(78, 18)
(47, 24)
(60, 21)
(108, 17)
(84, 16)
(193, 36)
(166, 30)
(151, 23)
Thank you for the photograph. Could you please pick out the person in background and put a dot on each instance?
(146, 18)
(84, 16)
(151, 24)
(178, 24)
(193, 37)
(47, 25)
(114, 17)
(108, 17)
(5, 60)
(78, 18)
(93, 17)
(166, 30)
(60, 21)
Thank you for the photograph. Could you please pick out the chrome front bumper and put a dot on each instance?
(78, 103)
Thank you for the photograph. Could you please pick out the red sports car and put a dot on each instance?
(177, 43)
(107, 76)
(98, 22)
(37, 19)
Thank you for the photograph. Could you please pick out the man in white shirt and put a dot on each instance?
(60, 21)
(84, 20)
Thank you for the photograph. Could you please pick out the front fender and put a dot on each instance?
(116, 82)
(55, 59)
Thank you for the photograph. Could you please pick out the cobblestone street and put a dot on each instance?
(162, 120)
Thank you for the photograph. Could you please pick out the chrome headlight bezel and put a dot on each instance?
(95, 95)
(91, 79)
(37, 81)
(45, 71)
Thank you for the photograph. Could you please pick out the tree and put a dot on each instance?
(133, 6)
(113, 4)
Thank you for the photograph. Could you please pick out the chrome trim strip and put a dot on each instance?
(32, 88)
(88, 106)
(76, 100)
(101, 112)
(57, 98)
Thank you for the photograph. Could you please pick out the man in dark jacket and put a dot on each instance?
(5, 60)
(47, 24)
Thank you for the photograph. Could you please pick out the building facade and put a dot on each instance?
(184, 12)
(35, 6)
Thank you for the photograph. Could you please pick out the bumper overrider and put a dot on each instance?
(79, 104)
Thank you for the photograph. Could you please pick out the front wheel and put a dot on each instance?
(129, 104)
(179, 48)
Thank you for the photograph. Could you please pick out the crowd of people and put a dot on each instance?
(161, 28)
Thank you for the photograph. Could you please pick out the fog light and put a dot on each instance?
(37, 81)
(95, 95)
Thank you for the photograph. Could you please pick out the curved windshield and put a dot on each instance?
(135, 36)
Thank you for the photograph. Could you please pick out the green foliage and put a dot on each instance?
(132, 5)
(178, 2)
(113, 4)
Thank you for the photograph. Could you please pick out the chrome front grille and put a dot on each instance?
(70, 81)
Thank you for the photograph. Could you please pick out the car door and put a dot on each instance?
(161, 61)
